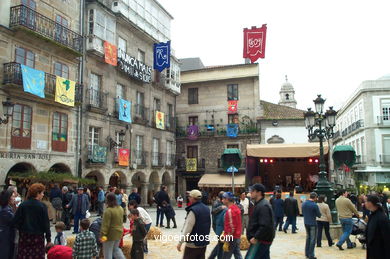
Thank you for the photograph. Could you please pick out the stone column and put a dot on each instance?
(171, 192)
(144, 194)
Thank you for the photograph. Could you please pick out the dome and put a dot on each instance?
(287, 86)
(385, 77)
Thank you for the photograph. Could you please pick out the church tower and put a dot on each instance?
(287, 95)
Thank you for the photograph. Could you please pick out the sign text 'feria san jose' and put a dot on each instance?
(134, 67)
(17, 155)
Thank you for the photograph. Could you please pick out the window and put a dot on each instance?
(140, 100)
(141, 56)
(102, 25)
(362, 144)
(169, 153)
(192, 151)
(24, 56)
(233, 118)
(61, 33)
(386, 149)
(169, 122)
(193, 96)
(156, 104)
(386, 110)
(95, 85)
(120, 91)
(61, 70)
(27, 16)
(62, 21)
(122, 44)
(287, 96)
(21, 127)
(93, 139)
(232, 146)
(60, 132)
(139, 144)
(30, 3)
(155, 155)
(193, 120)
(232, 92)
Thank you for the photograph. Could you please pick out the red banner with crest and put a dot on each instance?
(254, 42)
(123, 156)
(232, 107)
(110, 53)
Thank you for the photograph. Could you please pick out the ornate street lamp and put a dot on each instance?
(320, 126)
(8, 108)
(122, 135)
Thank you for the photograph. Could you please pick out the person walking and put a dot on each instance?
(278, 207)
(346, 210)
(169, 214)
(378, 230)
(197, 224)
(32, 221)
(100, 201)
(159, 197)
(7, 231)
(66, 214)
(261, 231)
(232, 227)
(292, 211)
(244, 201)
(112, 228)
(56, 201)
(310, 211)
(135, 196)
(144, 215)
(218, 225)
(85, 246)
(138, 231)
(79, 206)
(324, 221)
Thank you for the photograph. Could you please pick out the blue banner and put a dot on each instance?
(162, 55)
(232, 130)
(124, 110)
(33, 81)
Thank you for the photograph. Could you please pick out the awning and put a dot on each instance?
(219, 180)
(344, 154)
(285, 150)
(231, 157)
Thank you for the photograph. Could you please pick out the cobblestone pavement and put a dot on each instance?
(285, 246)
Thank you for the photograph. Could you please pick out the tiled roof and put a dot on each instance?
(272, 111)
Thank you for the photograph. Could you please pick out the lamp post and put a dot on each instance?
(320, 125)
(8, 108)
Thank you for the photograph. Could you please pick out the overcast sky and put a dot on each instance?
(326, 47)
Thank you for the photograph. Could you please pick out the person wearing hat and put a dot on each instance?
(79, 205)
(196, 228)
(232, 226)
(261, 231)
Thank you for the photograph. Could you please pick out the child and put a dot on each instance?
(138, 232)
(95, 229)
(60, 237)
(144, 215)
(85, 244)
(179, 201)
(169, 213)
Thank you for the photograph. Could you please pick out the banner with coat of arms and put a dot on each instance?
(162, 55)
(65, 91)
(110, 54)
(232, 107)
(160, 120)
(191, 165)
(254, 42)
(123, 156)
(33, 81)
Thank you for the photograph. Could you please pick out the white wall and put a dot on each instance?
(5, 12)
(291, 135)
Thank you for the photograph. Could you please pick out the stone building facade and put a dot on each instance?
(41, 135)
(152, 150)
(203, 106)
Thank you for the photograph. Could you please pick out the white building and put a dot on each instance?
(364, 123)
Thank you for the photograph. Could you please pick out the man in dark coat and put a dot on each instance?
(159, 197)
(135, 196)
(66, 214)
(79, 206)
(292, 211)
(278, 207)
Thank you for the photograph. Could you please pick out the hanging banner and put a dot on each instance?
(160, 120)
(232, 130)
(191, 165)
(124, 111)
(99, 154)
(162, 55)
(232, 107)
(123, 156)
(65, 91)
(192, 132)
(133, 67)
(254, 42)
(33, 81)
(110, 54)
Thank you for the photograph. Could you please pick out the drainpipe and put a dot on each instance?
(79, 108)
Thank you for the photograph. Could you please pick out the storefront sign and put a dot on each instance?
(32, 156)
(133, 67)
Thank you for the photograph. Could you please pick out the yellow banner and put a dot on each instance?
(160, 120)
(191, 165)
(65, 90)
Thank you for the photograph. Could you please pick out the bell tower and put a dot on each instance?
(287, 93)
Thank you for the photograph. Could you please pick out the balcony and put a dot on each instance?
(140, 158)
(383, 120)
(384, 158)
(97, 155)
(200, 163)
(170, 123)
(160, 79)
(12, 77)
(96, 100)
(170, 161)
(157, 159)
(24, 17)
(140, 114)
(205, 131)
(360, 160)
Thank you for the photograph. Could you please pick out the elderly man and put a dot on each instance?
(67, 197)
(196, 228)
(79, 205)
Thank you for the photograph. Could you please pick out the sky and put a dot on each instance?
(324, 47)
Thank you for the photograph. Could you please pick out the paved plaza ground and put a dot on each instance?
(285, 246)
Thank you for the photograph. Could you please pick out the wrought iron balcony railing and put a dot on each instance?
(157, 159)
(383, 120)
(140, 157)
(170, 160)
(96, 99)
(12, 75)
(28, 18)
(205, 131)
(200, 163)
(385, 158)
(360, 160)
(140, 114)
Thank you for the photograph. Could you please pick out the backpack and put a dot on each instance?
(57, 203)
(95, 229)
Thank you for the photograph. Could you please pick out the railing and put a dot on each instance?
(384, 158)
(170, 160)
(170, 123)
(24, 16)
(159, 79)
(336, 134)
(96, 99)
(360, 159)
(13, 75)
(351, 128)
(157, 159)
(383, 120)
(141, 157)
(218, 131)
(140, 114)
(200, 163)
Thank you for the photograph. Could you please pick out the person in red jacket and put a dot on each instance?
(232, 227)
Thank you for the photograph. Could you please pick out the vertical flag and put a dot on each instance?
(232, 130)
(232, 107)
(33, 81)
(191, 165)
(110, 54)
(65, 90)
(254, 42)
(124, 110)
(123, 156)
(159, 120)
(162, 55)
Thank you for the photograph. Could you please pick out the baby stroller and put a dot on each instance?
(359, 231)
